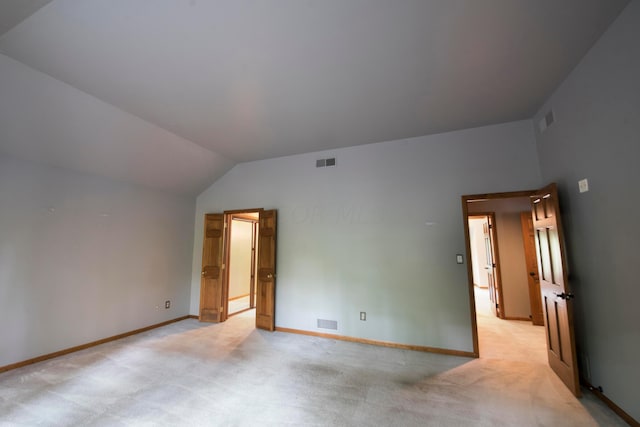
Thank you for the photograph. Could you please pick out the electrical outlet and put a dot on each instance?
(167, 304)
(363, 315)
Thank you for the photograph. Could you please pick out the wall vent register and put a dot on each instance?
(328, 324)
(320, 163)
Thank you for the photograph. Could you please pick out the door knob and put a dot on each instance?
(564, 296)
(532, 274)
(203, 272)
(270, 276)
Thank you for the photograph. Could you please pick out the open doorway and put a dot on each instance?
(485, 264)
(217, 256)
(241, 259)
(506, 310)
(543, 207)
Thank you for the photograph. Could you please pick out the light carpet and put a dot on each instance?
(229, 374)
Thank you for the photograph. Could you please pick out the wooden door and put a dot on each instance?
(528, 238)
(254, 259)
(556, 296)
(266, 292)
(211, 286)
(493, 277)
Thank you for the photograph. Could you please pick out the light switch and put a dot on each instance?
(459, 259)
(583, 185)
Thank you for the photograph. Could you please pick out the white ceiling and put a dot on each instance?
(249, 80)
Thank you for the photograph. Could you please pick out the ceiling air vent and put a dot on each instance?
(320, 163)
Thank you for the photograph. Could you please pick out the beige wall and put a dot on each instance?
(240, 258)
(478, 252)
(513, 269)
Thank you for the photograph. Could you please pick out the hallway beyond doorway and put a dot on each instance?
(516, 340)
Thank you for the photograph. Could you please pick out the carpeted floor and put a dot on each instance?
(507, 339)
(193, 374)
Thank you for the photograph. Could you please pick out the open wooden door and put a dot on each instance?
(211, 289)
(266, 292)
(533, 279)
(254, 265)
(556, 295)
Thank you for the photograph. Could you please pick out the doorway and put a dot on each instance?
(254, 256)
(241, 259)
(551, 272)
(499, 270)
(501, 254)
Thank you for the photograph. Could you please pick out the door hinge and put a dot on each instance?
(221, 309)
(222, 267)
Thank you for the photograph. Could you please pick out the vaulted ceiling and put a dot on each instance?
(172, 93)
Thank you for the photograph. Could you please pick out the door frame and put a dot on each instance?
(465, 215)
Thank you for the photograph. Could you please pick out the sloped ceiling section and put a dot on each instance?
(12, 12)
(47, 121)
(250, 80)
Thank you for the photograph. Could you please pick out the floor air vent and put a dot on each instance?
(328, 324)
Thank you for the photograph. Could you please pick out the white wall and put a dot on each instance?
(513, 267)
(478, 252)
(378, 232)
(84, 258)
(597, 136)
